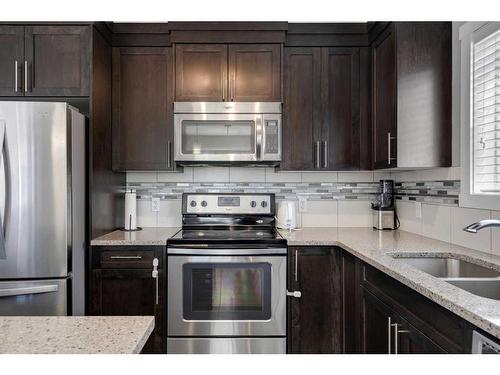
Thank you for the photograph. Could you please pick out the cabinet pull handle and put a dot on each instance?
(397, 331)
(317, 161)
(169, 154)
(154, 275)
(126, 257)
(389, 139)
(294, 294)
(296, 265)
(16, 71)
(325, 156)
(25, 76)
(389, 334)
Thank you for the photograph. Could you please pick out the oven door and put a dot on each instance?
(221, 137)
(226, 295)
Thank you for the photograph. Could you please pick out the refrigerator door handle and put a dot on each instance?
(28, 290)
(3, 253)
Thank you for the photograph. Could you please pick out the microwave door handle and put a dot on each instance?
(259, 128)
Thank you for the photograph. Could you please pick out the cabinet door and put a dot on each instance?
(301, 112)
(315, 319)
(412, 341)
(130, 292)
(201, 73)
(58, 60)
(11, 60)
(376, 325)
(340, 97)
(255, 72)
(142, 108)
(384, 101)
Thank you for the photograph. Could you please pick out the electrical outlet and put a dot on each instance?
(155, 204)
(418, 210)
(302, 205)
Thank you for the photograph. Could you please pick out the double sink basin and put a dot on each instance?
(473, 278)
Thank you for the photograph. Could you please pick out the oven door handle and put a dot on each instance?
(242, 252)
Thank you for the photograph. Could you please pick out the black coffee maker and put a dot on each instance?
(384, 211)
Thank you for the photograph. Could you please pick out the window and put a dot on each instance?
(480, 115)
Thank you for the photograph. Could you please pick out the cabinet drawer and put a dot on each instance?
(442, 326)
(126, 257)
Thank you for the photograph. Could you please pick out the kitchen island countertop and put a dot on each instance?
(74, 334)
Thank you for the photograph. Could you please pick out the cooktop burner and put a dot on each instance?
(225, 234)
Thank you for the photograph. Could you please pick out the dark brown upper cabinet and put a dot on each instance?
(221, 72)
(11, 60)
(142, 108)
(254, 72)
(412, 95)
(44, 60)
(322, 108)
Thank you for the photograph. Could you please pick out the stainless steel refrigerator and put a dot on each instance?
(42, 209)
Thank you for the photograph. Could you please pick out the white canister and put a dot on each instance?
(287, 215)
(130, 210)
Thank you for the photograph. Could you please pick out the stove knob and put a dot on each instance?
(263, 204)
(193, 203)
(253, 203)
(204, 203)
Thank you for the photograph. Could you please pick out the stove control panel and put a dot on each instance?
(262, 204)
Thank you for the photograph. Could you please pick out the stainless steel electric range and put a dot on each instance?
(227, 276)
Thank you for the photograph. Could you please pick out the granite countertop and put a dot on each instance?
(74, 334)
(381, 249)
(144, 237)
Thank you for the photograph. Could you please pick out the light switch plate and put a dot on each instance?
(302, 205)
(418, 210)
(155, 204)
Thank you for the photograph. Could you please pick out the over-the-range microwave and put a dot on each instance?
(227, 133)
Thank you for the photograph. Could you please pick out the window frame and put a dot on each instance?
(469, 33)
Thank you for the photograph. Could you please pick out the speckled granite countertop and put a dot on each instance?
(144, 237)
(74, 334)
(379, 249)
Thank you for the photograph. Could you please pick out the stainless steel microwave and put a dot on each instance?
(227, 132)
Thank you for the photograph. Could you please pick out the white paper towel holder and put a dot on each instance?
(131, 230)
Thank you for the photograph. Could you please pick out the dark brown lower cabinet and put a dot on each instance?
(315, 319)
(121, 283)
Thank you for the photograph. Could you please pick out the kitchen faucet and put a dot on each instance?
(473, 228)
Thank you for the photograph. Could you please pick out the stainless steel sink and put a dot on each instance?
(489, 288)
(449, 267)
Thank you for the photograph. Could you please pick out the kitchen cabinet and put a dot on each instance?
(44, 60)
(322, 108)
(122, 282)
(222, 72)
(142, 108)
(411, 64)
(315, 319)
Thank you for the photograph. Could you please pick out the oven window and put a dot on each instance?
(218, 137)
(227, 291)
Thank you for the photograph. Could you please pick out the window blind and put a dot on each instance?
(485, 95)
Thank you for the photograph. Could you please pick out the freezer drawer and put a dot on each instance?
(37, 298)
(226, 345)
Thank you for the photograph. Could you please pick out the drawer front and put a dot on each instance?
(445, 328)
(126, 257)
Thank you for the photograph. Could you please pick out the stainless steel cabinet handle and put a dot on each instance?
(28, 290)
(296, 265)
(397, 331)
(25, 76)
(126, 257)
(154, 275)
(389, 139)
(325, 156)
(294, 294)
(169, 154)
(318, 156)
(16, 71)
(389, 335)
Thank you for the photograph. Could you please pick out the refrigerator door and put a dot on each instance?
(34, 193)
(35, 298)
